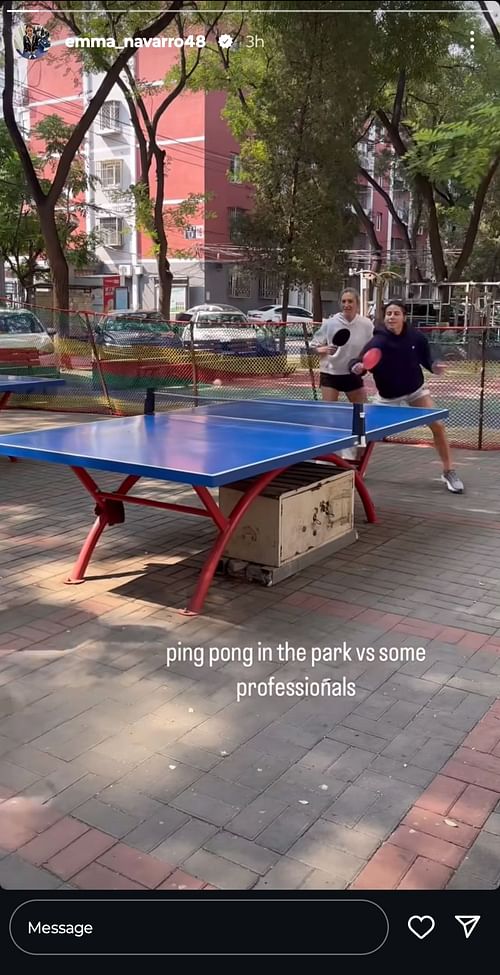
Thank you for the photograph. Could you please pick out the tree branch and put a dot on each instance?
(489, 20)
(390, 205)
(372, 236)
(397, 108)
(477, 207)
(392, 132)
(97, 101)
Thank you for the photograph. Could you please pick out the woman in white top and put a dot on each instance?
(335, 376)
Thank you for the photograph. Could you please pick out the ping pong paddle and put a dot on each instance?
(371, 359)
(341, 337)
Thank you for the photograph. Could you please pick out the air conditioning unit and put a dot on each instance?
(125, 270)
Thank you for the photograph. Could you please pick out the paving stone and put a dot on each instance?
(426, 874)
(153, 831)
(30, 758)
(106, 818)
(286, 875)
(15, 777)
(320, 880)
(358, 739)
(160, 778)
(492, 824)
(79, 854)
(220, 872)
(256, 817)
(320, 855)
(241, 851)
(464, 879)
(52, 840)
(185, 841)
(483, 859)
(403, 771)
(135, 803)
(140, 867)
(75, 795)
(97, 877)
(285, 830)
(17, 874)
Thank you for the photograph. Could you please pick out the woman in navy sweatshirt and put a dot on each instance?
(399, 378)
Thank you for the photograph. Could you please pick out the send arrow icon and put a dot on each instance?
(468, 922)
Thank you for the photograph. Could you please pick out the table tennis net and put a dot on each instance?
(229, 403)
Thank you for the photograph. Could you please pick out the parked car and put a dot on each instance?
(129, 328)
(20, 329)
(274, 313)
(221, 328)
(186, 316)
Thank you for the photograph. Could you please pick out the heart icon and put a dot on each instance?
(421, 926)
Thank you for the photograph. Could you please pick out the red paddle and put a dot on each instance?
(371, 359)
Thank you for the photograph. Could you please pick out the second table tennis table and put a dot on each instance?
(207, 445)
(17, 385)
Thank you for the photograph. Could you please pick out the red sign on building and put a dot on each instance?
(109, 286)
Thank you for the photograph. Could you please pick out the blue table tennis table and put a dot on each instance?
(208, 445)
(25, 384)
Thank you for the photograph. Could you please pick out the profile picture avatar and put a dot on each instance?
(33, 42)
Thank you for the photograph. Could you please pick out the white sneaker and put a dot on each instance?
(452, 481)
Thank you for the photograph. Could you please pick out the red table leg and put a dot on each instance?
(365, 459)
(107, 514)
(359, 484)
(208, 571)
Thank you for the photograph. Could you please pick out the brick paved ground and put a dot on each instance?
(118, 772)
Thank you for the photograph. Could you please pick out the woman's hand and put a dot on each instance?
(357, 369)
(326, 349)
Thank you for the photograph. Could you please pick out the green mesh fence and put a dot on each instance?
(109, 361)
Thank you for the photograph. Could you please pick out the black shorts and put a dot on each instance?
(343, 384)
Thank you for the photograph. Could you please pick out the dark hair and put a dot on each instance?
(398, 302)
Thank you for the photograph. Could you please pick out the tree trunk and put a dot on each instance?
(472, 229)
(317, 302)
(29, 289)
(284, 315)
(166, 277)
(164, 272)
(369, 226)
(58, 264)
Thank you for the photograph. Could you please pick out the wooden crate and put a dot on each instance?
(304, 509)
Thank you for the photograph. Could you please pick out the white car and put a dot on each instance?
(274, 313)
(224, 331)
(21, 329)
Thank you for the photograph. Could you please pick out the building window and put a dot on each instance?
(268, 286)
(109, 117)
(111, 231)
(365, 197)
(378, 222)
(110, 173)
(235, 215)
(235, 168)
(194, 232)
(239, 284)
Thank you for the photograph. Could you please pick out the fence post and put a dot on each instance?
(194, 365)
(481, 389)
(98, 361)
(309, 360)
